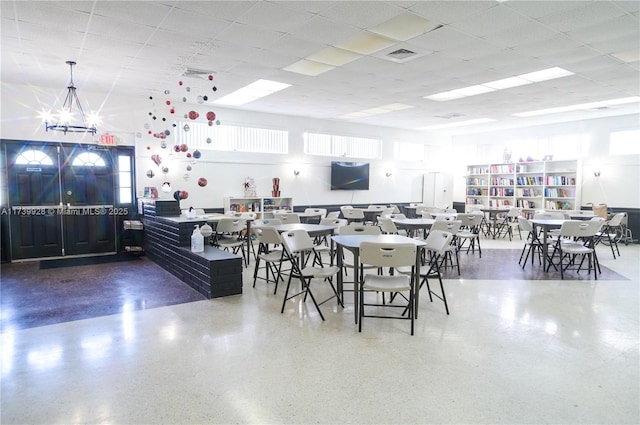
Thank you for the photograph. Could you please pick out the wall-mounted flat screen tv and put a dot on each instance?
(349, 175)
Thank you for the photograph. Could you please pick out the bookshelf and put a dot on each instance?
(259, 205)
(540, 185)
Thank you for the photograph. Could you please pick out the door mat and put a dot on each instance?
(87, 261)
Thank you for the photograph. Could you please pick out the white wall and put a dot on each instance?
(126, 117)
(618, 184)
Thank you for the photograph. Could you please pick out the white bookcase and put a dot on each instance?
(259, 205)
(540, 185)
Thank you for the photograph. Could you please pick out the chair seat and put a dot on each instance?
(467, 234)
(576, 249)
(320, 272)
(387, 283)
(272, 256)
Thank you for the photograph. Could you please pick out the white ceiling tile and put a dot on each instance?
(246, 35)
(325, 31)
(603, 31)
(274, 16)
(362, 15)
(140, 13)
(538, 9)
(527, 32)
(446, 12)
(489, 21)
(587, 15)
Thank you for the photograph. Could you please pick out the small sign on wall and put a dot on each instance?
(107, 140)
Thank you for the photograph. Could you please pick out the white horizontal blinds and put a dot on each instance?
(233, 138)
(409, 151)
(345, 146)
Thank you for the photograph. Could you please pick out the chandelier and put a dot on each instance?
(66, 122)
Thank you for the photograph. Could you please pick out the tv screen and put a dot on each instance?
(349, 176)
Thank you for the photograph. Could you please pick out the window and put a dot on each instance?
(88, 159)
(624, 142)
(35, 157)
(565, 146)
(343, 146)
(125, 179)
(232, 138)
(408, 151)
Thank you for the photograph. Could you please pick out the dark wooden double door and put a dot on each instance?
(61, 200)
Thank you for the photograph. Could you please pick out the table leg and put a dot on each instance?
(356, 285)
(416, 283)
(545, 252)
(249, 245)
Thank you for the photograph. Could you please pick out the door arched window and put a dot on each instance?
(34, 157)
(88, 159)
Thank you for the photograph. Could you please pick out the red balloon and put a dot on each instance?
(210, 123)
(179, 83)
(202, 182)
(188, 154)
(184, 194)
(193, 115)
(168, 102)
(211, 116)
(172, 110)
(210, 77)
(183, 147)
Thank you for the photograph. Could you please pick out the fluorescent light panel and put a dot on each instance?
(458, 124)
(365, 43)
(505, 83)
(580, 106)
(253, 91)
(377, 111)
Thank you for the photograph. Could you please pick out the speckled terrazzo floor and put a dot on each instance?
(513, 350)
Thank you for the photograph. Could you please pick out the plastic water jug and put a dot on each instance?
(197, 240)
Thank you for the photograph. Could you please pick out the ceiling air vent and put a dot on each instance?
(401, 54)
(196, 73)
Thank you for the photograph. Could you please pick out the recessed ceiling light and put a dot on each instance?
(507, 83)
(404, 27)
(580, 106)
(306, 67)
(334, 56)
(458, 124)
(377, 111)
(365, 43)
(253, 91)
(473, 90)
(546, 74)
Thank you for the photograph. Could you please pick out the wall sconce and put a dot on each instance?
(296, 172)
(596, 174)
(388, 174)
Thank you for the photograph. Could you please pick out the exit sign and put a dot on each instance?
(107, 140)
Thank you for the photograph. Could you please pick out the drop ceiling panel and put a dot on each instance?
(451, 11)
(489, 21)
(148, 14)
(611, 29)
(274, 16)
(527, 32)
(353, 14)
(324, 31)
(590, 14)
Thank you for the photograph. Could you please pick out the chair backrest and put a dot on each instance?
(333, 214)
(376, 207)
(353, 213)
(421, 209)
(267, 222)
(321, 211)
(616, 220)
(396, 210)
(338, 222)
(267, 235)
(384, 212)
(579, 228)
(549, 215)
(514, 212)
(398, 216)
(360, 229)
(248, 215)
(450, 210)
(470, 220)
(388, 254)
(297, 241)
(287, 218)
(387, 226)
(230, 225)
(438, 240)
(447, 226)
(525, 224)
(586, 213)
